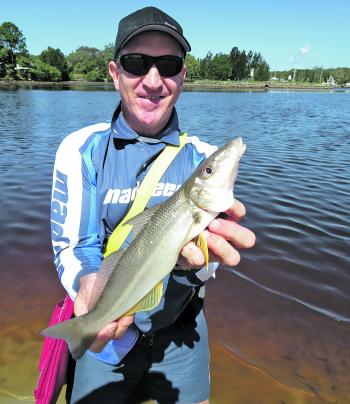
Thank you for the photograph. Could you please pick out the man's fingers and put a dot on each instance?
(191, 256)
(224, 237)
(237, 235)
(114, 330)
(236, 211)
(222, 250)
(123, 324)
(104, 336)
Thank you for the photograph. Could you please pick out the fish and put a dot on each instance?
(129, 281)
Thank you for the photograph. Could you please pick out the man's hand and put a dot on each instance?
(115, 330)
(224, 237)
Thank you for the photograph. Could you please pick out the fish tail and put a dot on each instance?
(75, 333)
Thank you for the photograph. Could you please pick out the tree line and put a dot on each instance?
(238, 65)
(51, 65)
(88, 63)
(340, 75)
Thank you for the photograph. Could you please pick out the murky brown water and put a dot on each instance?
(279, 322)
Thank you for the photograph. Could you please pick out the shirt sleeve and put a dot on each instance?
(74, 228)
(195, 277)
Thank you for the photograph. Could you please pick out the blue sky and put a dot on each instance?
(288, 33)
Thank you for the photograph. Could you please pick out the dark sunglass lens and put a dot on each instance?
(169, 65)
(139, 64)
(135, 64)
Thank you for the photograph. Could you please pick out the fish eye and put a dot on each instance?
(209, 170)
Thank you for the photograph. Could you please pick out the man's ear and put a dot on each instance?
(183, 76)
(183, 72)
(114, 73)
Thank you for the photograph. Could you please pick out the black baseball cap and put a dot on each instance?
(148, 19)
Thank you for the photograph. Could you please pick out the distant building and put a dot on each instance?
(21, 68)
(331, 81)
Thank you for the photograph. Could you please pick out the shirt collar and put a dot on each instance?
(169, 135)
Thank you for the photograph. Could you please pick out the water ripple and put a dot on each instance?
(318, 309)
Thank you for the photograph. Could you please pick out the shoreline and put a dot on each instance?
(197, 85)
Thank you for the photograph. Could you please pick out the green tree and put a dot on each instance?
(243, 63)
(204, 66)
(12, 44)
(242, 66)
(24, 72)
(234, 59)
(55, 58)
(3, 61)
(239, 64)
(87, 63)
(42, 71)
(249, 62)
(262, 72)
(341, 75)
(96, 74)
(193, 66)
(220, 67)
(107, 55)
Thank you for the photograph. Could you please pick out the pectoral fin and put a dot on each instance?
(150, 301)
(202, 244)
(139, 221)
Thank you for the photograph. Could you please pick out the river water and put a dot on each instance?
(279, 321)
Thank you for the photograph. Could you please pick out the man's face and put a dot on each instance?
(148, 100)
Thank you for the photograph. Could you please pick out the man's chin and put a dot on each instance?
(153, 122)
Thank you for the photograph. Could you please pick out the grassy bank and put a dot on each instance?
(189, 85)
(254, 84)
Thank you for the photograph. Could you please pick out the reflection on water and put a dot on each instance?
(279, 322)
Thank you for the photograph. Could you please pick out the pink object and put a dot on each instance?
(54, 358)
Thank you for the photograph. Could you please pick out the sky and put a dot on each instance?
(288, 33)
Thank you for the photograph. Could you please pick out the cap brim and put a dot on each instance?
(155, 27)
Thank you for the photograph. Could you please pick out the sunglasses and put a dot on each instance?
(140, 64)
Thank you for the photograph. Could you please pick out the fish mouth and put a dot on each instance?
(238, 145)
(232, 156)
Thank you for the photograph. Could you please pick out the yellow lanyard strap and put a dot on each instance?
(143, 194)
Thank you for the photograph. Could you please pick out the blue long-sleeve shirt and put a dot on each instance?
(97, 172)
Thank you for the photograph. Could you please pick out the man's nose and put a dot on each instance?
(153, 79)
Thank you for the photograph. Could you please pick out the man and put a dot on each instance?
(97, 171)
